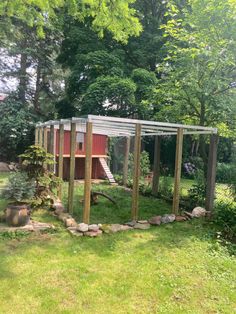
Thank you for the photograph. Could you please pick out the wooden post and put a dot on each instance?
(60, 158)
(88, 172)
(51, 145)
(36, 141)
(126, 161)
(178, 164)
(40, 141)
(136, 173)
(45, 138)
(211, 172)
(72, 167)
(156, 165)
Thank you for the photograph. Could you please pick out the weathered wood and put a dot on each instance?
(45, 138)
(40, 141)
(88, 172)
(72, 167)
(36, 140)
(136, 173)
(156, 165)
(178, 165)
(126, 160)
(60, 158)
(211, 172)
(51, 145)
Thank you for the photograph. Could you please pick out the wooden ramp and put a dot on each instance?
(107, 170)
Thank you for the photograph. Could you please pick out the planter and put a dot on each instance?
(17, 215)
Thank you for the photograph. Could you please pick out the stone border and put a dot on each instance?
(31, 226)
(94, 230)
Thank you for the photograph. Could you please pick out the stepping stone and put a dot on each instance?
(156, 220)
(167, 218)
(142, 226)
(82, 227)
(93, 234)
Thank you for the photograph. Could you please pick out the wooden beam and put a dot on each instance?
(40, 141)
(36, 140)
(45, 138)
(60, 158)
(126, 160)
(136, 173)
(156, 165)
(72, 167)
(211, 172)
(51, 145)
(178, 165)
(88, 171)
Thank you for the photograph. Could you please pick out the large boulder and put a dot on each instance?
(199, 212)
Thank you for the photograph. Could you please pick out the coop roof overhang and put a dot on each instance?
(114, 127)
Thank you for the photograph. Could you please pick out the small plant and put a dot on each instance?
(165, 187)
(20, 188)
(225, 218)
(197, 193)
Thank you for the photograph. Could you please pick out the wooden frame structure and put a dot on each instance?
(122, 127)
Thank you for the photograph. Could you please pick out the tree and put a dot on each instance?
(118, 17)
(197, 78)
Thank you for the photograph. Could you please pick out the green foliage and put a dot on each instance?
(117, 17)
(16, 128)
(166, 187)
(225, 218)
(35, 160)
(197, 193)
(19, 188)
(144, 164)
(226, 173)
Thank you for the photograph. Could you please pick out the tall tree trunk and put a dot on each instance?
(37, 88)
(23, 77)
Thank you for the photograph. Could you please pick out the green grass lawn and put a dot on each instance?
(174, 268)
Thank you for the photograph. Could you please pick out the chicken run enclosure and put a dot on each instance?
(80, 149)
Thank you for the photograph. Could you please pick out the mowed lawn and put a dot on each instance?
(174, 268)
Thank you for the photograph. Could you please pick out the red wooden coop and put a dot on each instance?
(100, 169)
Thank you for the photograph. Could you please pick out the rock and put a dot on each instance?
(167, 218)
(75, 232)
(142, 226)
(156, 220)
(70, 222)
(93, 234)
(199, 212)
(82, 227)
(4, 167)
(180, 218)
(142, 221)
(125, 227)
(93, 227)
(131, 223)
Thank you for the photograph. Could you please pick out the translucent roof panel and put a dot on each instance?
(113, 127)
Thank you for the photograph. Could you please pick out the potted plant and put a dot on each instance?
(20, 191)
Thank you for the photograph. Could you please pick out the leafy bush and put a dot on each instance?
(197, 193)
(144, 164)
(225, 218)
(226, 173)
(35, 160)
(20, 188)
(166, 187)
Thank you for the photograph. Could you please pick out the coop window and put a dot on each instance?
(80, 141)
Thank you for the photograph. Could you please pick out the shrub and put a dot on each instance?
(20, 188)
(144, 164)
(166, 187)
(226, 173)
(225, 218)
(197, 193)
(35, 160)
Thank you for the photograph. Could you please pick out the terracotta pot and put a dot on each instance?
(17, 215)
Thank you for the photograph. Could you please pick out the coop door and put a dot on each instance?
(80, 141)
